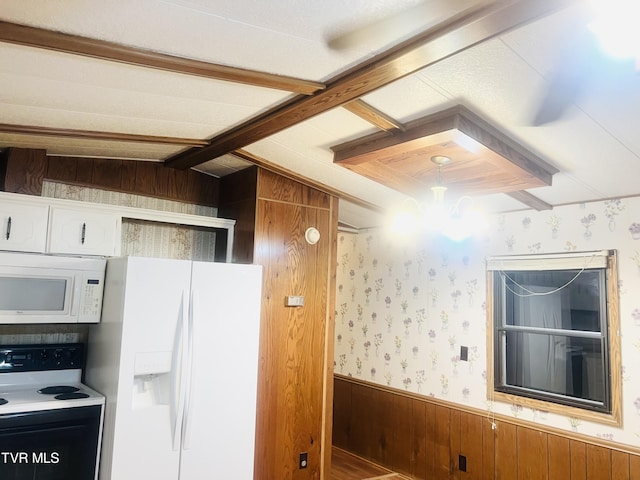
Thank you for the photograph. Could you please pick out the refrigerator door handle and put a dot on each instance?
(186, 432)
(177, 367)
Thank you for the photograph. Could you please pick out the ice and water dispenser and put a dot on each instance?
(152, 379)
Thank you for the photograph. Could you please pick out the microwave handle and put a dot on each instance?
(76, 295)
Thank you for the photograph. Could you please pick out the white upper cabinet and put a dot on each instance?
(84, 232)
(29, 223)
(23, 227)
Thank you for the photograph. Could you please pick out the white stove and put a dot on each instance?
(49, 390)
(50, 422)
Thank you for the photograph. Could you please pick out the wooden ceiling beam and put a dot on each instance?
(454, 35)
(530, 200)
(374, 116)
(95, 135)
(89, 47)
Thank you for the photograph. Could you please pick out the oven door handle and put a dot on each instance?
(176, 408)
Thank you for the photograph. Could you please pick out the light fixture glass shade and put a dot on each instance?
(438, 193)
(465, 221)
(406, 219)
(435, 217)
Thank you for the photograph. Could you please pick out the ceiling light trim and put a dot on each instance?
(495, 164)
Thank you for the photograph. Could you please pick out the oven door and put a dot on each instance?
(60, 444)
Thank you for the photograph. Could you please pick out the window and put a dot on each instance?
(554, 336)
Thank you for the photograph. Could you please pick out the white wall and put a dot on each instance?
(404, 310)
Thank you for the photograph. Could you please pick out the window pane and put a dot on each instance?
(556, 364)
(577, 306)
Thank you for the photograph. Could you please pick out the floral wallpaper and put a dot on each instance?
(404, 309)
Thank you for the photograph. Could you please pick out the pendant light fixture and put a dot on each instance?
(457, 222)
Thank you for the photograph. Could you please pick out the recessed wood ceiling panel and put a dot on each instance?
(482, 159)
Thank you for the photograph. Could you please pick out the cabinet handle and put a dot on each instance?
(8, 228)
(84, 232)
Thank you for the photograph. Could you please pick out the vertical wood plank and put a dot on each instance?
(488, 451)
(292, 341)
(619, 465)
(559, 458)
(400, 447)
(177, 183)
(454, 444)
(418, 439)
(383, 453)
(203, 191)
(578, 460)
(128, 178)
(162, 181)
(634, 467)
(443, 447)
(84, 171)
(598, 463)
(25, 170)
(145, 178)
(61, 169)
(532, 454)
(430, 445)
(506, 452)
(471, 443)
(107, 173)
(362, 401)
(342, 413)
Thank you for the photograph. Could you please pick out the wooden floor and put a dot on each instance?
(345, 466)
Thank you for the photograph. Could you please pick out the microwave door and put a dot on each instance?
(31, 298)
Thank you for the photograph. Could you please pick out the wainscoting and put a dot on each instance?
(426, 439)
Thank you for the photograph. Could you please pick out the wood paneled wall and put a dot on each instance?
(25, 169)
(238, 198)
(424, 438)
(296, 349)
(295, 386)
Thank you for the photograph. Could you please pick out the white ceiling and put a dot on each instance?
(595, 145)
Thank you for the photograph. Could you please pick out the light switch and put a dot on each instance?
(294, 301)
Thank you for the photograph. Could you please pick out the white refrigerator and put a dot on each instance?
(176, 355)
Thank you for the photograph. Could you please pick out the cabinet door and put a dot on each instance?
(23, 227)
(80, 231)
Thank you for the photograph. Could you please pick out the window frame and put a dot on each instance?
(612, 353)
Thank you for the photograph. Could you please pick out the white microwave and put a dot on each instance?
(50, 289)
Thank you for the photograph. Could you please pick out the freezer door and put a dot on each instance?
(220, 413)
(147, 427)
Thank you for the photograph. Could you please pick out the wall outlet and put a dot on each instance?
(303, 462)
(462, 463)
(464, 354)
